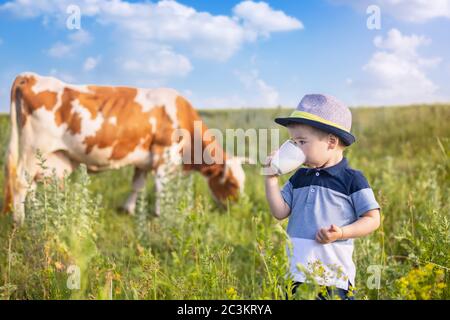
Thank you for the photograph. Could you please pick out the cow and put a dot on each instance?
(108, 127)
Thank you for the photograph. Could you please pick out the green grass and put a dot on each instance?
(198, 251)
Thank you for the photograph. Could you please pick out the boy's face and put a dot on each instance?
(314, 144)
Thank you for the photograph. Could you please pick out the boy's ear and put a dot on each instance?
(333, 141)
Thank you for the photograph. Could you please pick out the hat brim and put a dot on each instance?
(346, 137)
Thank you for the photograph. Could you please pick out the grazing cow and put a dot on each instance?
(105, 128)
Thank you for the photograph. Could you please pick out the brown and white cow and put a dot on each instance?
(105, 128)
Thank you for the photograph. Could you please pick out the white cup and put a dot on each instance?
(288, 158)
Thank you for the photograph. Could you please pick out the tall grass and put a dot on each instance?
(196, 250)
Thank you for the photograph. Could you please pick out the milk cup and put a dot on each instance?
(288, 158)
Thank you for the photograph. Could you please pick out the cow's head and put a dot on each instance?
(227, 180)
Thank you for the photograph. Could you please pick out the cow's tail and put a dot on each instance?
(12, 154)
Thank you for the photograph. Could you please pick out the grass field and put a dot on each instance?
(197, 251)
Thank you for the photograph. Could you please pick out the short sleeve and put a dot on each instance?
(362, 195)
(287, 192)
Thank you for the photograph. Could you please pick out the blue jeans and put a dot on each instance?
(330, 292)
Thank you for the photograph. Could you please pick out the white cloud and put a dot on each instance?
(396, 73)
(216, 37)
(169, 23)
(399, 43)
(59, 50)
(416, 11)
(158, 40)
(261, 94)
(29, 8)
(62, 75)
(260, 18)
(156, 61)
(80, 37)
(76, 40)
(254, 93)
(406, 47)
(397, 80)
(91, 63)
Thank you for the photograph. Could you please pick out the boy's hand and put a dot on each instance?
(328, 235)
(266, 168)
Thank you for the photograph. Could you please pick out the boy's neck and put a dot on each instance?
(335, 159)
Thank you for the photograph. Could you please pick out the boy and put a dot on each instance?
(328, 203)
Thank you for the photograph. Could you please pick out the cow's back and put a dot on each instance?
(101, 126)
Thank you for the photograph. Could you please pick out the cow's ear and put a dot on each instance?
(210, 170)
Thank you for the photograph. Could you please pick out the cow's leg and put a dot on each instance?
(139, 180)
(24, 181)
(28, 171)
(57, 163)
(165, 171)
(161, 179)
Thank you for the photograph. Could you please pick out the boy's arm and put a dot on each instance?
(278, 206)
(366, 224)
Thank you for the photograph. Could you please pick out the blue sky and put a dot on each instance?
(223, 54)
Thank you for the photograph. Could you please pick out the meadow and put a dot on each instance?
(75, 244)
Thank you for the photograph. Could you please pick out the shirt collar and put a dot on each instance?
(333, 170)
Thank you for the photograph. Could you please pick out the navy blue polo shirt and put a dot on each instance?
(318, 198)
